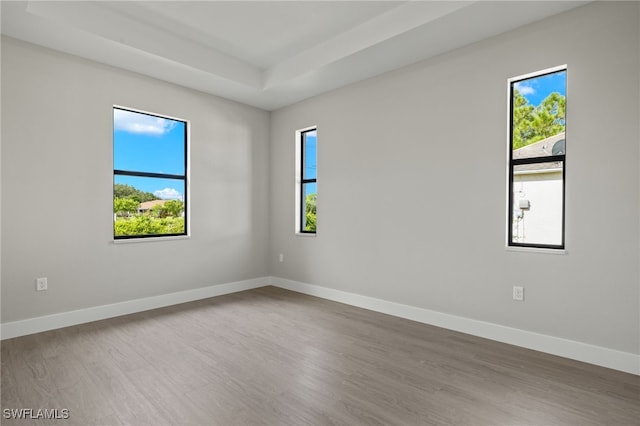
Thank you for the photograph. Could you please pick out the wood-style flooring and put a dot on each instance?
(274, 357)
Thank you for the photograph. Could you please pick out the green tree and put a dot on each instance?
(522, 119)
(158, 211)
(174, 207)
(549, 117)
(310, 212)
(127, 191)
(123, 206)
(170, 208)
(532, 124)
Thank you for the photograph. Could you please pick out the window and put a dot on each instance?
(306, 182)
(537, 142)
(149, 175)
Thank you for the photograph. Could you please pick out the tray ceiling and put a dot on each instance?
(268, 54)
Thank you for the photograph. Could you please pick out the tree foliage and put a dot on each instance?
(169, 208)
(148, 225)
(125, 206)
(127, 191)
(163, 218)
(532, 124)
(310, 212)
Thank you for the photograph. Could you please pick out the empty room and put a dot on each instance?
(320, 213)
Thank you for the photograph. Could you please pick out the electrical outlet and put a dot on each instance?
(281, 257)
(518, 293)
(41, 284)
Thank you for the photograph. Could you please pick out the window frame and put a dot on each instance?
(513, 163)
(302, 182)
(137, 173)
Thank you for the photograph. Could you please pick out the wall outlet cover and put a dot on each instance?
(41, 284)
(518, 293)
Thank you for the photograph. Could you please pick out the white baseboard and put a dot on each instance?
(80, 316)
(610, 358)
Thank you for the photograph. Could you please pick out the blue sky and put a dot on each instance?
(310, 161)
(310, 151)
(147, 143)
(537, 88)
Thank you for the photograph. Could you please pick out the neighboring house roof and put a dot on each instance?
(543, 148)
(148, 205)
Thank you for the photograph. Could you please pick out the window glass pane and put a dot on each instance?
(148, 206)
(310, 156)
(309, 197)
(148, 143)
(538, 115)
(537, 203)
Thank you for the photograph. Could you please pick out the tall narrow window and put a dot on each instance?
(537, 163)
(307, 185)
(149, 175)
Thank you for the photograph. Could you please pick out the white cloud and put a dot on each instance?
(168, 194)
(133, 122)
(525, 89)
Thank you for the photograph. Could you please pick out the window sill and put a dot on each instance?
(149, 240)
(536, 250)
(305, 234)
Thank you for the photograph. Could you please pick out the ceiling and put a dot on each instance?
(268, 54)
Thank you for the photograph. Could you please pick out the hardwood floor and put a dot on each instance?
(273, 357)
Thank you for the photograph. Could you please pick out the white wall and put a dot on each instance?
(541, 223)
(412, 184)
(57, 176)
